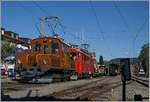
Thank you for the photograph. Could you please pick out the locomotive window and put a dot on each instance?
(85, 59)
(54, 48)
(73, 56)
(45, 49)
(65, 48)
(37, 47)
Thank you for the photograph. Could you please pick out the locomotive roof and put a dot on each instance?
(82, 51)
(51, 37)
(62, 41)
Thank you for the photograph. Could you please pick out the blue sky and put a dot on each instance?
(118, 22)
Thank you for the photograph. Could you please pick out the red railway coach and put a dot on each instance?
(82, 61)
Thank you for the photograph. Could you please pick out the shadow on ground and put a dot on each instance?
(36, 98)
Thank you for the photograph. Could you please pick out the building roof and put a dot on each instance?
(11, 32)
(8, 36)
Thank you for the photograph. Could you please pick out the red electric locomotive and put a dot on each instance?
(83, 62)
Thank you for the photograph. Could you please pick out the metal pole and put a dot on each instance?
(124, 91)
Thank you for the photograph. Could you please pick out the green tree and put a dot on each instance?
(7, 49)
(144, 58)
(101, 61)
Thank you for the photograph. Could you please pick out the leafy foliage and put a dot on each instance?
(7, 49)
(144, 58)
(101, 61)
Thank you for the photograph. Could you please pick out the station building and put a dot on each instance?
(13, 37)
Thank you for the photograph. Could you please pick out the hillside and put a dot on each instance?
(117, 60)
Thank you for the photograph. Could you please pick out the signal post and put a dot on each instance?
(125, 75)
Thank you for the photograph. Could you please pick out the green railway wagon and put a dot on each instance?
(113, 69)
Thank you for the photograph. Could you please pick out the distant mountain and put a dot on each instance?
(117, 61)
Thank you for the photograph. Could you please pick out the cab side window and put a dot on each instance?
(73, 56)
(37, 47)
(54, 48)
(65, 48)
(45, 49)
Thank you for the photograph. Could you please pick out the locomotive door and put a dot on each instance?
(55, 52)
(65, 56)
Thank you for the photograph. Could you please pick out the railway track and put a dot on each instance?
(81, 88)
(92, 91)
(17, 86)
(96, 90)
(141, 81)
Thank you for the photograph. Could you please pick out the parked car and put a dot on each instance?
(141, 72)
